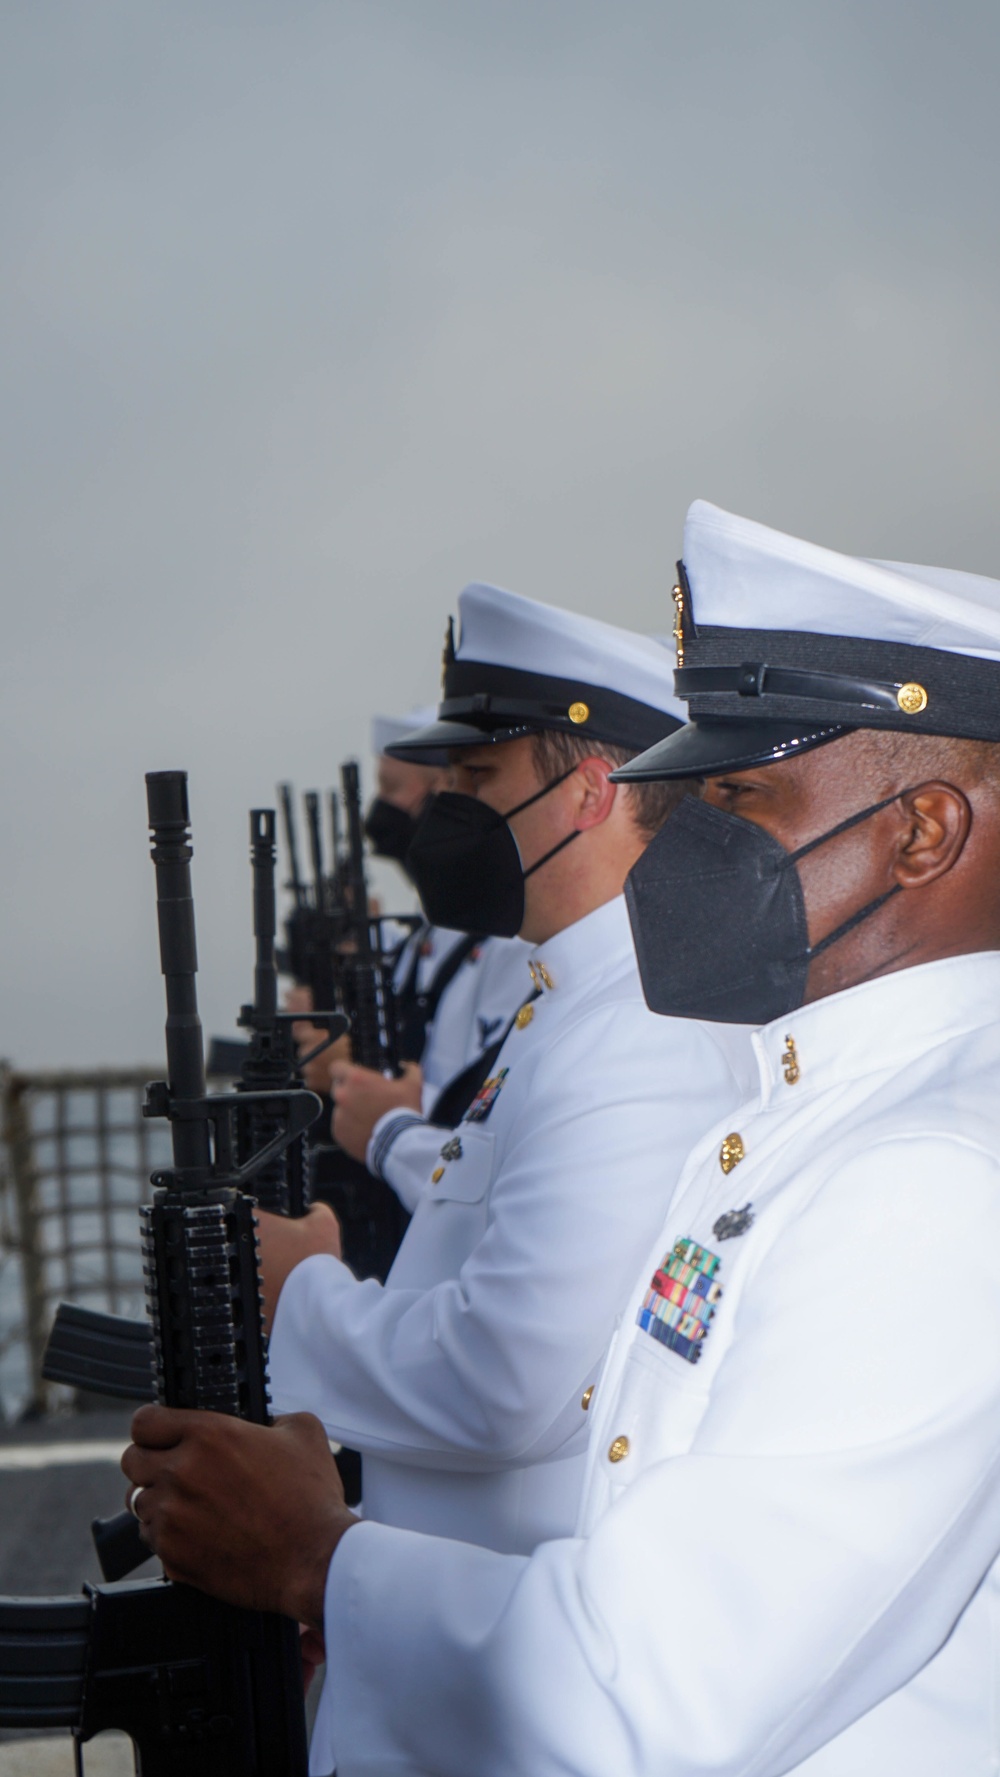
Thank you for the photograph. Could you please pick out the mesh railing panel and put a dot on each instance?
(77, 1155)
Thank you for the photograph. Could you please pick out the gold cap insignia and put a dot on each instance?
(678, 630)
(578, 712)
(731, 1152)
(912, 699)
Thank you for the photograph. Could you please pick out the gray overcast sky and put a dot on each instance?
(311, 313)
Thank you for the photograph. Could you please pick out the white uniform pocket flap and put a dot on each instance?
(465, 1168)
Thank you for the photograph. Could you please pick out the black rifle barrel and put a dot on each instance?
(360, 914)
(169, 820)
(314, 828)
(335, 835)
(263, 856)
(295, 882)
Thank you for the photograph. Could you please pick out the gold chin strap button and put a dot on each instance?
(524, 1017)
(912, 698)
(790, 1062)
(731, 1152)
(437, 1175)
(578, 712)
(588, 1395)
(619, 1450)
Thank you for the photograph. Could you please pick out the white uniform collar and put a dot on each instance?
(879, 1025)
(578, 955)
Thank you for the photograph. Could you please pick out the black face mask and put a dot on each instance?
(389, 829)
(466, 866)
(719, 918)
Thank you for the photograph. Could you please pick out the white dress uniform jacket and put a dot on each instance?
(475, 1010)
(460, 1380)
(482, 995)
(787, 1554)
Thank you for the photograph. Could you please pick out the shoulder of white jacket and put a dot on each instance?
(950, 1097)
(917, 1140)
(614, 1024)
(901, 1189)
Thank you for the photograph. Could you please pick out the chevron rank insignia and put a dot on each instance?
(681, 1299)
(486, 1098)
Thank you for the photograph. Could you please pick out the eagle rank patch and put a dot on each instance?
(734, 1223)
(681, 1300)
(486, 1097)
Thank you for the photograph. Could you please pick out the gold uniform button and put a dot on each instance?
(912, 699)
(619, 1450)
(731, 1152)
(588, 1396)
(524, 1017)
(437, 1175)
(578, 712)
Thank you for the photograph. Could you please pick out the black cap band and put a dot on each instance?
(483, 702)
(793, 675)
(760, 695)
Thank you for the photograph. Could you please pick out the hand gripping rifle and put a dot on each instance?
(202, 1688)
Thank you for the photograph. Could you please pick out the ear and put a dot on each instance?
(937, 822)
(595, 795)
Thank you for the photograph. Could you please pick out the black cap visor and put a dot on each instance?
(706, 748)
(434, 744)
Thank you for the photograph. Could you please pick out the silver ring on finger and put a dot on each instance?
(133, 1501)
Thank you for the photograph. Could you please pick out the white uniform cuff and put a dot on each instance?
(390, 1125)
(294, 1329)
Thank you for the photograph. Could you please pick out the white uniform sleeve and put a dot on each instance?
(743, 1602)
(485, 1369)
(402, 1150)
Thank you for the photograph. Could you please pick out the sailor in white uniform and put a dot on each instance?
(787, 1553)
(455, 991)
(460, 1380)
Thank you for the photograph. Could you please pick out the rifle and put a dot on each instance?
(314, 927)
(371, 1217)
(338, 878)
(271, 1062)
(202, 1688)
(367, 965)
(110, 1354)
(294, 959)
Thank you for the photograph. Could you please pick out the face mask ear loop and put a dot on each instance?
(537, 797)
(871, 906)
(855, 920)
(853, 820)
(551, 854)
